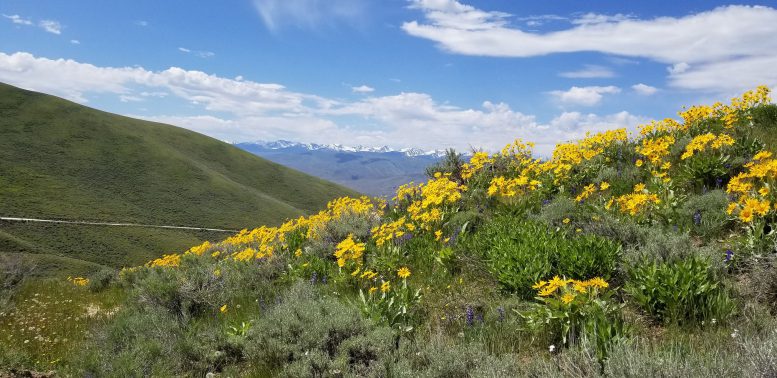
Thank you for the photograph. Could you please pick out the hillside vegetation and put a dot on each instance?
(651, 254)
(61, 160)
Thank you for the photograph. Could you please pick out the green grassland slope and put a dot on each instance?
(61, 160)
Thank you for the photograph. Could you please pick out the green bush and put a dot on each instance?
(13, 271)
(309, 334)
(705, 215)
(101, 279)
(520, 253)
(684, 291)
(577, 313)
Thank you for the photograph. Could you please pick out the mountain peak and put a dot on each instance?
(284, 144)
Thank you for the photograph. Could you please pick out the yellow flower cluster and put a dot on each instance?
(655, 149)
(699, 143)
(476, 164)
(568, 287)
(389, 231)
(754, 188)
(349, 249)
(171, 260)
(635, 202)
(504, 187)
(518, 149)
(407, 191)
(435, 195)
(78, 281)
(588, 190)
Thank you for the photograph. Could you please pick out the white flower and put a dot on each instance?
(551, 348)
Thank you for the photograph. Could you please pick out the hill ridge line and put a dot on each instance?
(115, 224)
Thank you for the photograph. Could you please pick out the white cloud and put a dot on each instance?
(51, 26)
(729, 76)
(141, 23)
(539, 20)
(693, 44)
(199, 53)
(589, 71)
(585, 96)
(644, 89)
(16, 19)
(594, 19)
(678, 68)
(248, 110)
(363, 89)
(75, 41)
(310, 14)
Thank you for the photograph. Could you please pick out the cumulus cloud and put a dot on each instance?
(244, 110)
(585, 96)
(309, 14)
(692, 45)
(589, 71)
(644, 89)
(363, 89)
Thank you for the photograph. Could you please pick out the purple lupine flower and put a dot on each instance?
(718, 182)
(501, 311)
(545, 202)
(314, 278)
(323, 280)
(455, 236)
(729, 255)
(470, 315)
(697, 218)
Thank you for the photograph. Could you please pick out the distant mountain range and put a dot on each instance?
(375, 171)
(285, 144)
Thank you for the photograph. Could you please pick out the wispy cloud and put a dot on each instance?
(16, 19)
(681, 42)
(589, 71)
(75, 41)
(584, 96)
(141, 23)
(310, 14)
(250, 110)
(199, 53)
(53, 27)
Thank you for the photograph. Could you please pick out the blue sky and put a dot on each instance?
(403, 73)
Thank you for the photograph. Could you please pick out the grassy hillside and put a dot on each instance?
(652, 254)
(61, 160)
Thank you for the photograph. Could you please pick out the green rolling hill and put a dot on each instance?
(61, 160)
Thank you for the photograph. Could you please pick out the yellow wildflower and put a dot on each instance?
(403, 272)
(385, 287)
(223, 309)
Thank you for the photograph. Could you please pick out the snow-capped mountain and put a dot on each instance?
(283, 144)
(370, 170)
